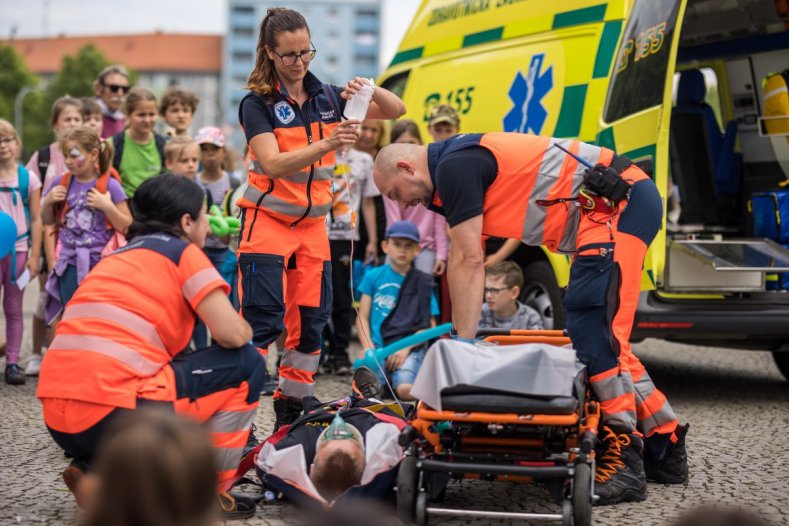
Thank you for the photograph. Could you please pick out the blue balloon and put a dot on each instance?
(7, 234)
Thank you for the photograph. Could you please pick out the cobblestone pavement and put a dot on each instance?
(736, 401)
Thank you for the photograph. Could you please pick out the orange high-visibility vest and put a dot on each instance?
(530, 169)
(305, 196)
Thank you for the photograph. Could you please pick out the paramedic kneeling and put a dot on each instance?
(527, 187)
(119, 345)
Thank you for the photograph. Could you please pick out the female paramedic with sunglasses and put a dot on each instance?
(119, 345)
(293, 124)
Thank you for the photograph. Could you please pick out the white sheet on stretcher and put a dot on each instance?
(534, 369)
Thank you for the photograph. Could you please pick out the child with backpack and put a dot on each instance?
(20, 224)
(48, 163)
(139, 151)
(89, 207)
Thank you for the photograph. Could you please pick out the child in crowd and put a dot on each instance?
(139, 151)
(87, 205)
(48, 164)
(217, 183)
(182, 156)
(397, 300)
(91, 114)
(20, 203)
(354, 189)
(434, 244)
(502, 310)
(177, 109)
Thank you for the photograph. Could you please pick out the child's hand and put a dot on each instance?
(99, 201)
(33, 266)
(56, 195)
(396, 360)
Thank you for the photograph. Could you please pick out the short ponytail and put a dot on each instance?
(106, 153)
(263, 78)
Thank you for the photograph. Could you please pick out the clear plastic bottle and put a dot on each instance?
(356, 108)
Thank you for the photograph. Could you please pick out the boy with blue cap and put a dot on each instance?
(397, 300)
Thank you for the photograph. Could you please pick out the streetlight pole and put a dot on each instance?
(18, 113)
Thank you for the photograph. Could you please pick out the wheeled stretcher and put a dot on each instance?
(514, 409)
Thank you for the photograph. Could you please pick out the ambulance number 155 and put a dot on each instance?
(461, 99)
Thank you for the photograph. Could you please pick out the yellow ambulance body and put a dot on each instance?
(605, 72)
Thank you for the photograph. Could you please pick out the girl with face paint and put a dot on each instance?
(85, 215)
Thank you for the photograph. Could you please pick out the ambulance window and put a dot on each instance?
(639, 75)
(396, 84)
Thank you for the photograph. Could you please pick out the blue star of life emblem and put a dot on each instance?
(284, 112)
(528, 115)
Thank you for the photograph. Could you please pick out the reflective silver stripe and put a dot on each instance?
(294, 389)
(775, 91)
(300, 360)
(323, 173)
(662, 417)
(275, 204)
(198, 281)
(320, 173)
(644, 388)
(547, 176)
(612, 387)
(228, 458)
(231, 421)
(570, 234)
(622, 419)
(118, 316)
(109, 348)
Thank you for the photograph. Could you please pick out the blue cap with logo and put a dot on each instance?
(403, 230)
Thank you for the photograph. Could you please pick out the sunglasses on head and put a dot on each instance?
(116, 88)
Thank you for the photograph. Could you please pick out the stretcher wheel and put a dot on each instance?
(407, 481)
(421, 509)
(582, 495)
(567, 512)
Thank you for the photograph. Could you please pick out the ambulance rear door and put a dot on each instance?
(635, 118)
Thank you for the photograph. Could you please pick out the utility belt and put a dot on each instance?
(603, 188)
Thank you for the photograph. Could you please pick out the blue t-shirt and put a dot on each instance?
(382, 284)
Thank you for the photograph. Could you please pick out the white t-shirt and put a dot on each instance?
(347, 201)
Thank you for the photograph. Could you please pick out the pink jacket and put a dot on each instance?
(432, 227)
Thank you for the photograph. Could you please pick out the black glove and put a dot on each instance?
(606, 182)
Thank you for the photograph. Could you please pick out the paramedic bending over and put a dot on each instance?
(292, 122)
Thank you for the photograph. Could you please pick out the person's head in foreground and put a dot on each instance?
(154, 468)
(401, 244)
(717, 515)
(503, 284)
(401, 174)
(171, 204)
(339, 459)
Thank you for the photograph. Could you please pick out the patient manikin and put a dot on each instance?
(339, 459)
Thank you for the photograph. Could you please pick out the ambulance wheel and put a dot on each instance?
(541, 292)
(582, 495)
(407, 480)
(421, 509)
(781, 359)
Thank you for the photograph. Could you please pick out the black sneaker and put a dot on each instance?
(365, 383)
(234, 506)
(252, 442)
(287, 411)
(673, 467)
(619, 475)
(14, 375)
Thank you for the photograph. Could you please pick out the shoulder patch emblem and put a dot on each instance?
(284, 112)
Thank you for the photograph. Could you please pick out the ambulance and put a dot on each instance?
(676, 86)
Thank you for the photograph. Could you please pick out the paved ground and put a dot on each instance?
(736, 401)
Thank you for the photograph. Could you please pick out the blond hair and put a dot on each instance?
(6, 128)
(175, 147)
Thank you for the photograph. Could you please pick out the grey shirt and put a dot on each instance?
(524, 318)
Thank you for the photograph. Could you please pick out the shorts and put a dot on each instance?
(406, 373)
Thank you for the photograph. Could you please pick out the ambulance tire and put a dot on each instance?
(542, 293)
(407, 490)
(781, 359)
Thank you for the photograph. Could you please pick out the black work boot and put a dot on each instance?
(673, 467)
(287, 411)
(14, 375)
(365, 383)
(619, 475)
(252, 441)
